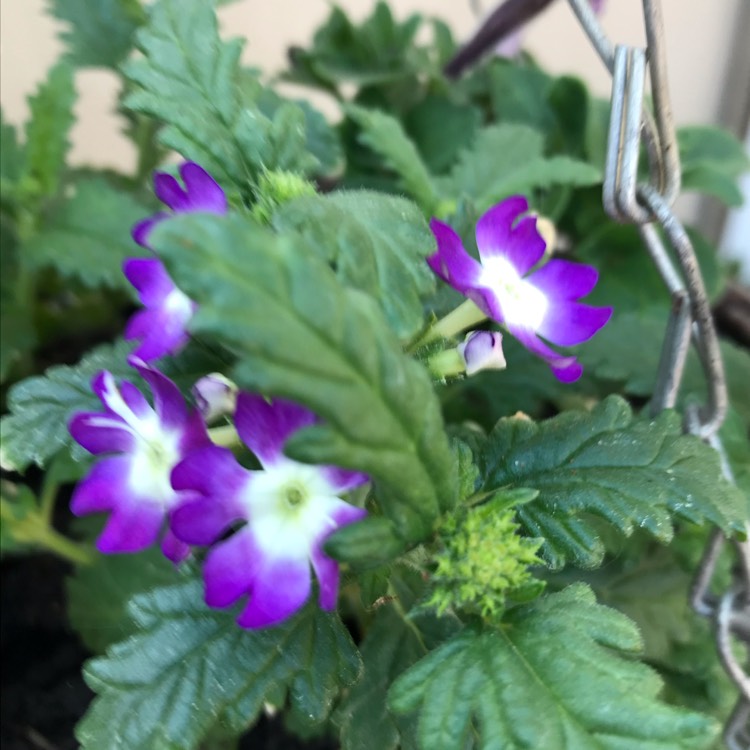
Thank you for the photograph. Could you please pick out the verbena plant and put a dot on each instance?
(377, 463)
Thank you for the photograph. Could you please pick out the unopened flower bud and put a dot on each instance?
(482, 350)
(215, 396)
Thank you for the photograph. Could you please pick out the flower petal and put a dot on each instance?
(565, 368)
(142, 230)
(573, 323)
(265, 427)
(169, 191)
(204, 193)
(174, 550)
(101, 433)
(563, 280)
(279, 590)
(230, 569)
(343, 480)
(168, 401)
(496, 236)
(100, 489)
(132, 526)
(327, 573)
(150, 279)
(451, 262)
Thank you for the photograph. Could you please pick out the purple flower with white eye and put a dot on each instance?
(145, 443)
(543, 303)
(161, 327)
(289, 509)
(482, 350)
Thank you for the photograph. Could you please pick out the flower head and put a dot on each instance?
(161, 326)
(289, 509)
(215, 396)
(543, 303)
(145, 443)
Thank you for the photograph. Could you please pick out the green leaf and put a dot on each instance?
(628, 348)
(390, 647)
(98, 34)
(551, 678)
(192, 81)
(47, 131)
(17, 333)
(380, 50)
(41, 407)
(300, 335)
(17, 507)
(88, 236)
(712, 160)
(383, 134)
(367, 544)
(11, 155)
(633, 473)
(98, 594)
(517, 166)
(441, 128)
(188, 670)
(377, 243)
(519, 95)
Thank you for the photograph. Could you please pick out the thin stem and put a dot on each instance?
(225, 436)
(464, 316)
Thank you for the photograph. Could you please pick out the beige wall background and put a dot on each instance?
(699, 34)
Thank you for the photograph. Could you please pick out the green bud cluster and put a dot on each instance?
(276, 188)
(483, 561)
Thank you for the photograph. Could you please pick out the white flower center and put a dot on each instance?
(522, 303)
(289, 506)
(179, 304)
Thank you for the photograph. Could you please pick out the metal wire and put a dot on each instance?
(648, 205)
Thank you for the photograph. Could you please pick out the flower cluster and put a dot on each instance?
(163, 478)
(508, 284)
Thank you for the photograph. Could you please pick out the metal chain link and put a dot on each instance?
(648, 205)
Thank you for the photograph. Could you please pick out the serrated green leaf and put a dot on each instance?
(631, 472)
(88, 237)
(17, 333)
(41, 407)
(628, 348)
(548, 679)
(390, 647)
(712, 159)
(384, 135)
(518, 95)
(47, 131)
(189, 670)
(516, 165)
(441, 128)
(11, 155)
(191, 80)
(380, 50)
(302, 336)
(377, 243)
(98, 594)
(98, 34)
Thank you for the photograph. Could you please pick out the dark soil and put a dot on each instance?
(43, 694)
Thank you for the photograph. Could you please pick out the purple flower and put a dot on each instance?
(133, 483)
(543, 303)
(161, 327)
(289, 510)
(215, 396)
(482, 350)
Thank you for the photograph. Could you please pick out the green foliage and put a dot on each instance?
(98, 34)
(191, 81)
(16, 325)
(41, 407)
(47, 132)
(18, 507)
(88, 236)
(376, 243)
(367, 544)
(517, 165)
(302, 336)
(189, 670)
(98, 594)
(384, 135)
(712, 159)
(11, 155)
(380, 50)
(549, 678)
(634, 473)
